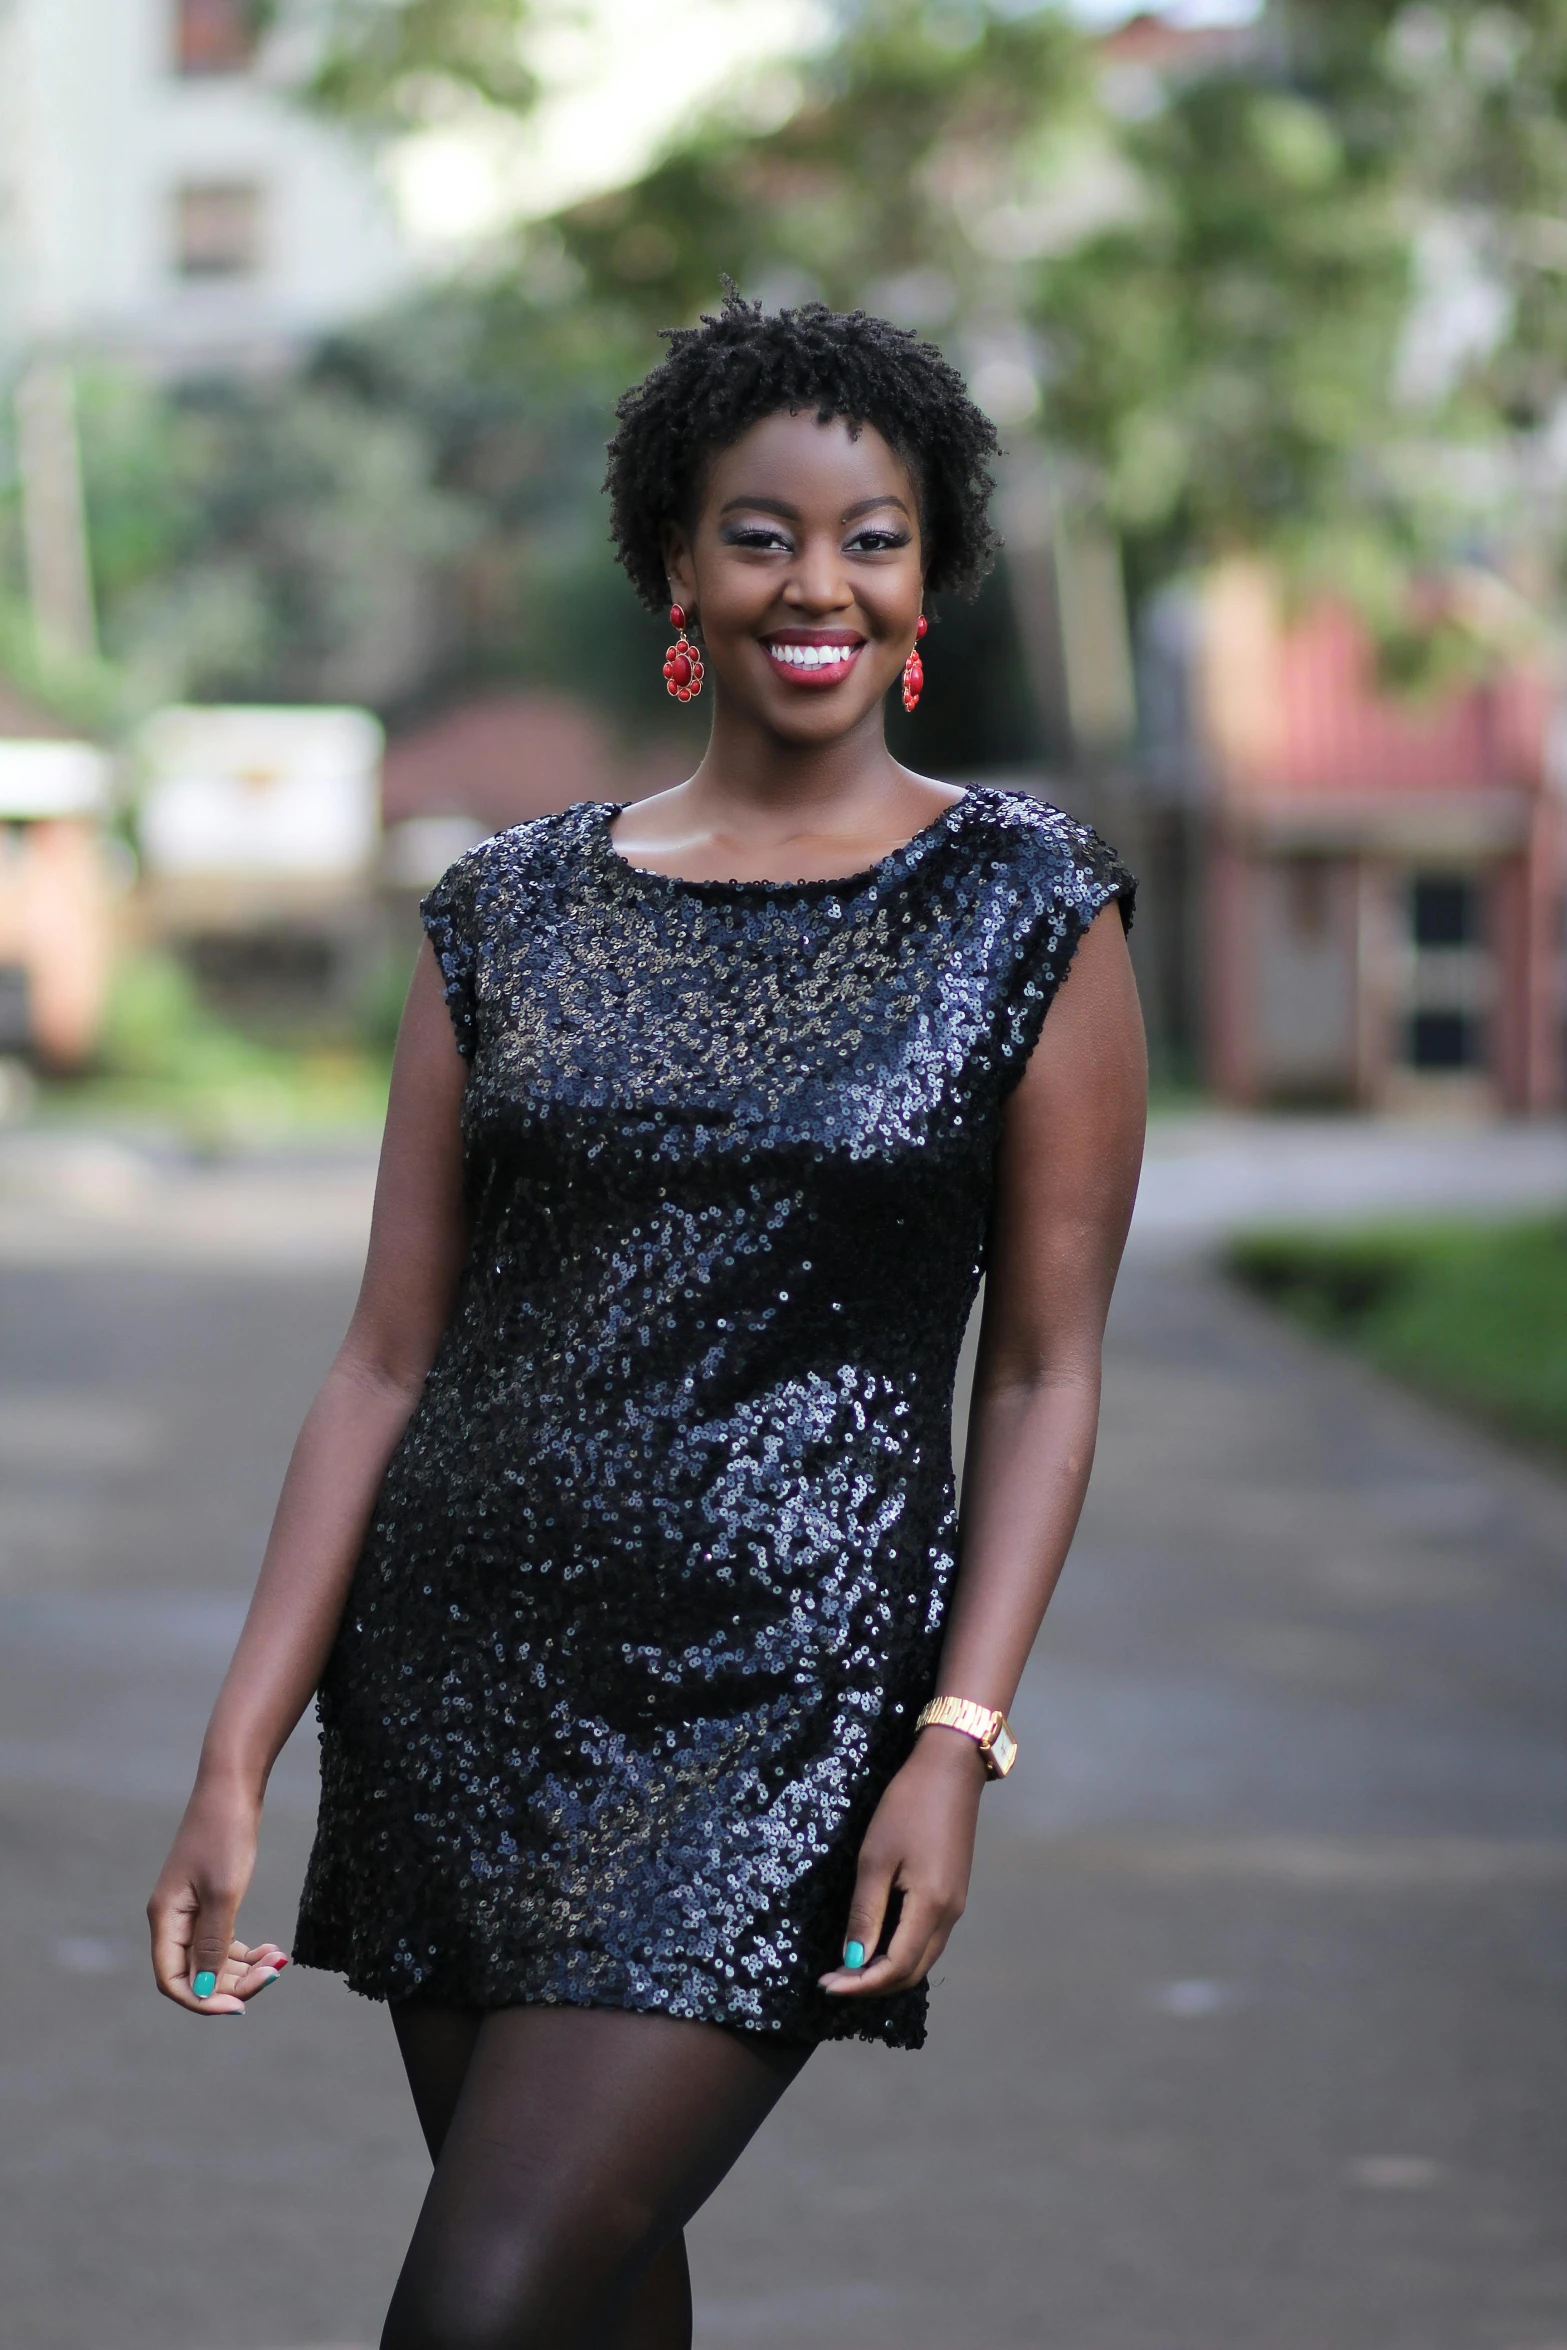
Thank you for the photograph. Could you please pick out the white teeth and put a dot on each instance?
(812, 656)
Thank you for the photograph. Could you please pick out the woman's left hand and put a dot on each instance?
(920, 1844)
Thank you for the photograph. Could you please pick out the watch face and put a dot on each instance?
(1002, 1751)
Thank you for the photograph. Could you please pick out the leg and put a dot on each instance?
(656, 2313)
(437, 2045)
(579, 2144)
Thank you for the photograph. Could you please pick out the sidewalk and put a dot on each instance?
(69, 1198)
(1210, 1172)
(1251, 2039)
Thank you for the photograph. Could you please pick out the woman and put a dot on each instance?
(620, 1537)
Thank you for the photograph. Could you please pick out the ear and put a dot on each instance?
(679, 569)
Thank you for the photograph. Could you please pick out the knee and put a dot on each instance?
(436, 2309)
(454, 2312)
(542, 2287)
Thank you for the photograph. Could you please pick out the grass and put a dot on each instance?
(169, 1060)
(1473, 1314)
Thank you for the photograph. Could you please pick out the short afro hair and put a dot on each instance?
(724, 375)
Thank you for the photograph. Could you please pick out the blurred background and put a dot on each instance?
(312, 318)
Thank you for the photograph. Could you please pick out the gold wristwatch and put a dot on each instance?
(987, 1725)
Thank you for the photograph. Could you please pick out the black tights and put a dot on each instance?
(571, 2146)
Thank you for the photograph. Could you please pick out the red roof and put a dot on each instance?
(506, 756)
(1341, 731)
(1152, 41)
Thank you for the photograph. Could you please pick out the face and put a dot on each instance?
(805, 572)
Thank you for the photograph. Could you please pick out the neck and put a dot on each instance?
(752, 780)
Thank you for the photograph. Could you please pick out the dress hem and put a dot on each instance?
(874, 2028)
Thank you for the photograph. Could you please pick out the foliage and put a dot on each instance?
(272, 538)
(861, 194)
(416, 61)
(1223, 299)
(1473, 1314)
(1306, 295)
(513, 384)
(166, 1056)
(1223, 359)
(1469, 102)
(90, 694)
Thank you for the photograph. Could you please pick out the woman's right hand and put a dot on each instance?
(197, 1961)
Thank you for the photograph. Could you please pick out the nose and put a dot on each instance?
(818, 584)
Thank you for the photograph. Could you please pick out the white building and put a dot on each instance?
(162, 195)
(271, 798)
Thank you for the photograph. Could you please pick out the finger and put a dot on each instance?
(211, 1940)
(173, 1924)
(171, 1918)
(244, 1955)
(867, 1911)
(254, 1979)
(263, 1967)
(920, 1925)
(909, 1975)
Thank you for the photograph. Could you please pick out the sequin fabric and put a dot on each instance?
(655, 1584)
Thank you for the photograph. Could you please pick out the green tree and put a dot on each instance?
(402, 62)
(1219, 276)
(1219, 304)
(864, 189)
(1345, 287)
(283, 539)
(1234, 284)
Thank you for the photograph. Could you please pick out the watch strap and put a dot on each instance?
(987, 1725)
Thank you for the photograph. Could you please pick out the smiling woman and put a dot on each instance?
(798, 483)
(658, 1685)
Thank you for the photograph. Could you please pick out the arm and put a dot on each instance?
(1066, 1177)
(418, 1239)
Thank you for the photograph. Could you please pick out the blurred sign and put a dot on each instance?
(260, 793)
(43, 780)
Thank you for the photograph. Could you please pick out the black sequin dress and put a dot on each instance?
(654, 1587)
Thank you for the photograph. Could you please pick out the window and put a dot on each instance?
(214, 36)
(1451, 977)
(1445, 910)
(217, 229)
(1445, 1040)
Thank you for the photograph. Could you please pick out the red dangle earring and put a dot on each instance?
(682, 662)
(914, 668)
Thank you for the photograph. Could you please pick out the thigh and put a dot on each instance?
(581, 2142)
(436, 2045)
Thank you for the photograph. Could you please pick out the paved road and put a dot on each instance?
(72, 1199)
(1254, 2038)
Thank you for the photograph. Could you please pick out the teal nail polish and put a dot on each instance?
(266, 1982)
(205, 1984)
(854, 1957)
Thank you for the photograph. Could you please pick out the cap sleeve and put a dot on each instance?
(449, 916)
(1075, 878)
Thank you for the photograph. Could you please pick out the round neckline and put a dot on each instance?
(828, 885)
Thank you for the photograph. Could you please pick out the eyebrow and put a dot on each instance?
(781, 507)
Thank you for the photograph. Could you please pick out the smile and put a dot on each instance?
(815, 661)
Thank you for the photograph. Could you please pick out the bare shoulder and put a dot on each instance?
(1098, 983)
(928, 797)
(1090, 1066)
